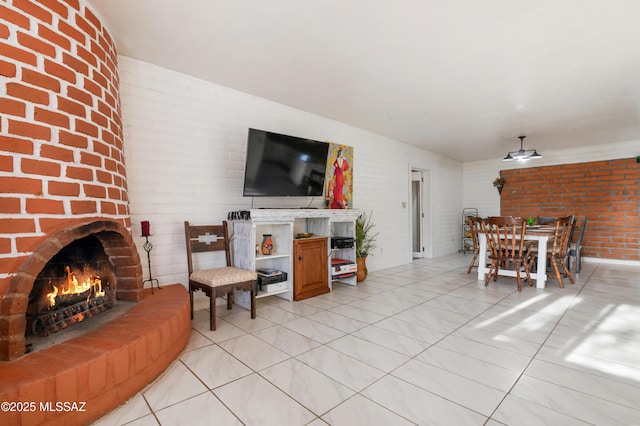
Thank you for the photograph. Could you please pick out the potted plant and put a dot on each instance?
(365, 243)
(499, 183)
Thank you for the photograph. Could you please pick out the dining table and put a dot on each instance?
(540, 233)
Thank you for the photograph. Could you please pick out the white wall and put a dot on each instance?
(185, 142)
(478, 176)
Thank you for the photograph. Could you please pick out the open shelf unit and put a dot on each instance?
(246, 241)
(467, 241)
(284, 225)
(343, 229)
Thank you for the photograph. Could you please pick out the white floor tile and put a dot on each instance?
(461, 305)
(296, 379)
(391, 299)
(373, 354)
(377, 307)
(412, 330)
(201, 410)
(300, 309)
(244, 321)
(360, 411)
(253, 352)
(485, 352)
(176, 384)
(214, 366)
(424, 343)
(197, 340)
(418, 405)
(390, 340)
(136, 408)
(522, 412)
(574, 403)
(358, 313)
(422, 316)
(499, 340)
(224, 330)
(286, 340)
(257, 402)
(340, 322)
(344, 369)
(276, 314)
(472, 368)
(594, 385)
(313, 330)
(611, 370)
(459, 389)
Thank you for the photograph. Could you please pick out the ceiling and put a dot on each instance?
(462, 78)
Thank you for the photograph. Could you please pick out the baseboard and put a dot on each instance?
(609, 261)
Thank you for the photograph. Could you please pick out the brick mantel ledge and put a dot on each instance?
(103, 368)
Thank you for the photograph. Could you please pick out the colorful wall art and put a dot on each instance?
(339, 177)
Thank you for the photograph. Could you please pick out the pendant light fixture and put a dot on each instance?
(522, 154)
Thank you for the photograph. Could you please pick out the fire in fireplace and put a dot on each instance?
(69, 302)
(73, 286)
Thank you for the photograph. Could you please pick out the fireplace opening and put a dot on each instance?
(101, 249)
(76, 284)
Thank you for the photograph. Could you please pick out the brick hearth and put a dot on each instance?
(103, 368)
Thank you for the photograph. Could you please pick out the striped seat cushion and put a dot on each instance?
(222, 276)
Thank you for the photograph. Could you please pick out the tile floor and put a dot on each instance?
(419, 344)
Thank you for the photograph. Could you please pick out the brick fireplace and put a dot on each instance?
(63, 181)
(119, 248)
(62, 171)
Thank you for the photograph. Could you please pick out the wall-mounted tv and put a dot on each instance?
(284, 166)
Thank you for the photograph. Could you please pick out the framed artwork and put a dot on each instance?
(339, 177)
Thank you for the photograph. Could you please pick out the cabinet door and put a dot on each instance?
(310, 269)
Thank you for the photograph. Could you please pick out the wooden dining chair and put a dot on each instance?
(506, 244)
(218, 281)
(575, 247)
(557, 253)
(474, 228)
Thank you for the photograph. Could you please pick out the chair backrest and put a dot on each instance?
(561, 236)
(583, 225)
(474, 228)
(486, 230)
(205, 238)
(572, 229)
(506, 234)
(543, 220)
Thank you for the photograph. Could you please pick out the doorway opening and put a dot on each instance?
(420, 208)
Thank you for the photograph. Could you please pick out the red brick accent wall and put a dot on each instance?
(607, 192)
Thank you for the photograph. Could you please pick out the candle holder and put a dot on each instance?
(148, 247)
(146, 233)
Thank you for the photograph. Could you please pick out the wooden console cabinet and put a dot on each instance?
(310, 268)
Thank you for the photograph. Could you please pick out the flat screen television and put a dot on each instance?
(284, 166)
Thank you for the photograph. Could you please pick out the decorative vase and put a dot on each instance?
(362, 268)
(267, 244)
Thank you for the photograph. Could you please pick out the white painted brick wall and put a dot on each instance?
(185, 142)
